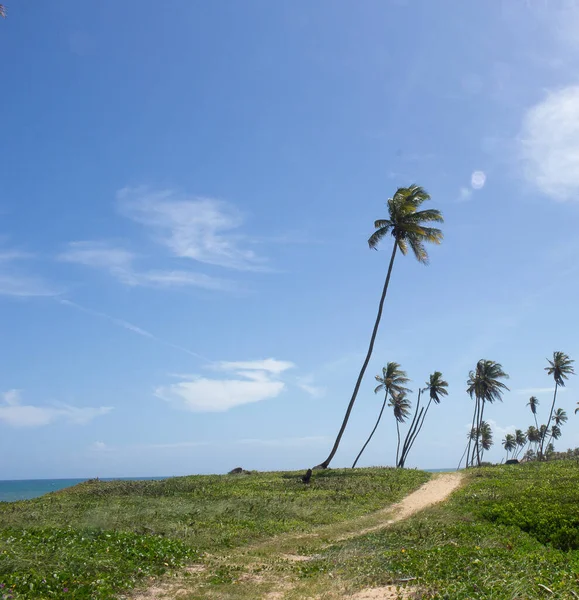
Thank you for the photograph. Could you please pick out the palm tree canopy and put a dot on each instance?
(560, 417)
(486, 435)
(555, 432)
(484, 384)
(436, 387)
(532, 404)
(520, 437)
(393, 380)
(509, 443)
(560, 367)
(533, 434)
(401, 406)
(405, 223)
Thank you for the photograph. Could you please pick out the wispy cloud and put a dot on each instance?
(203, 229)
(129, 327)
(248, 382)
(288, 442)
(15, 282)
(549, 144)
(538, 390)
(120, 263)
(16, 414)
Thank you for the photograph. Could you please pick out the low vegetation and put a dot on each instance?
(98, 538)
(512, 532)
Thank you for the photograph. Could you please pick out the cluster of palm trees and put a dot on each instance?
(409, 226)
(537, 441)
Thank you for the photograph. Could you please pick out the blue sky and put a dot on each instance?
(187, 189)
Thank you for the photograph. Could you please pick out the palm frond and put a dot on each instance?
(377, 237)
(560, 367)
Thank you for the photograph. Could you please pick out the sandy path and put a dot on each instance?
(434, 491)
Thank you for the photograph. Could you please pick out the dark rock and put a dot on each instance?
(512, 461)
(236, 471)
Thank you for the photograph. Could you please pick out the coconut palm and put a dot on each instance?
(560, 417)
(392, 381)
(484, 386)
(401, 408)
(509, 443)
(533, 404)
(555, 432)
(520, 440)
(486, 437)
(436, 388)
(533, 436)
(560, 368)
(406, 224)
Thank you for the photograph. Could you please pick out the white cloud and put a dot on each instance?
(16, 414)
(478, 180)
(253, 381)
(119, 263)
(202, 229)
(271, 365)
(538, 390)
(549, 144)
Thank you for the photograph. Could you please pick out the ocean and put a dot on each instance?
(26, 489)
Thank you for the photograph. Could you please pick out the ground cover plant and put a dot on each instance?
(510, 533)
(99, 538)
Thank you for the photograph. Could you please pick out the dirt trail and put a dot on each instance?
(284, 547)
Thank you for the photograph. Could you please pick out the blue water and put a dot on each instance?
(25, 489)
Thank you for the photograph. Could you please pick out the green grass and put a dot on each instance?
(508, 533)
(99, 538)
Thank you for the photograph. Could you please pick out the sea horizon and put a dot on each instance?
(13, 490)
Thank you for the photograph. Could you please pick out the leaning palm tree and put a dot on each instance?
(484, 386)
(406, 224)
(509, 443)
(486, 437)
(436, 388)
(560, 368)
(533, 404)
(533, 436)
(401, 408)
(392, 381)
(520, 440)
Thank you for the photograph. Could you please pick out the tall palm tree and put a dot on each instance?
(533, 404)
(436, 388)
(484, 386)
(401, 408)
(509, 443)
(392, 381)
(486, 437)
(406, 224)
(533, 436)
(560, 368)
(521, 440)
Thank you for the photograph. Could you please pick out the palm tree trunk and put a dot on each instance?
(410, 430)
(406, 450)
(549, 421)
(479, 453)
(371, 434)
(468, 461)
(325, 464)
(416, 432)
(465, 451)
(476, 431)
(398, 445)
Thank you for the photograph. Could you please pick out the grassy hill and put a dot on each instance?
(510, 532)
(98, 538)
